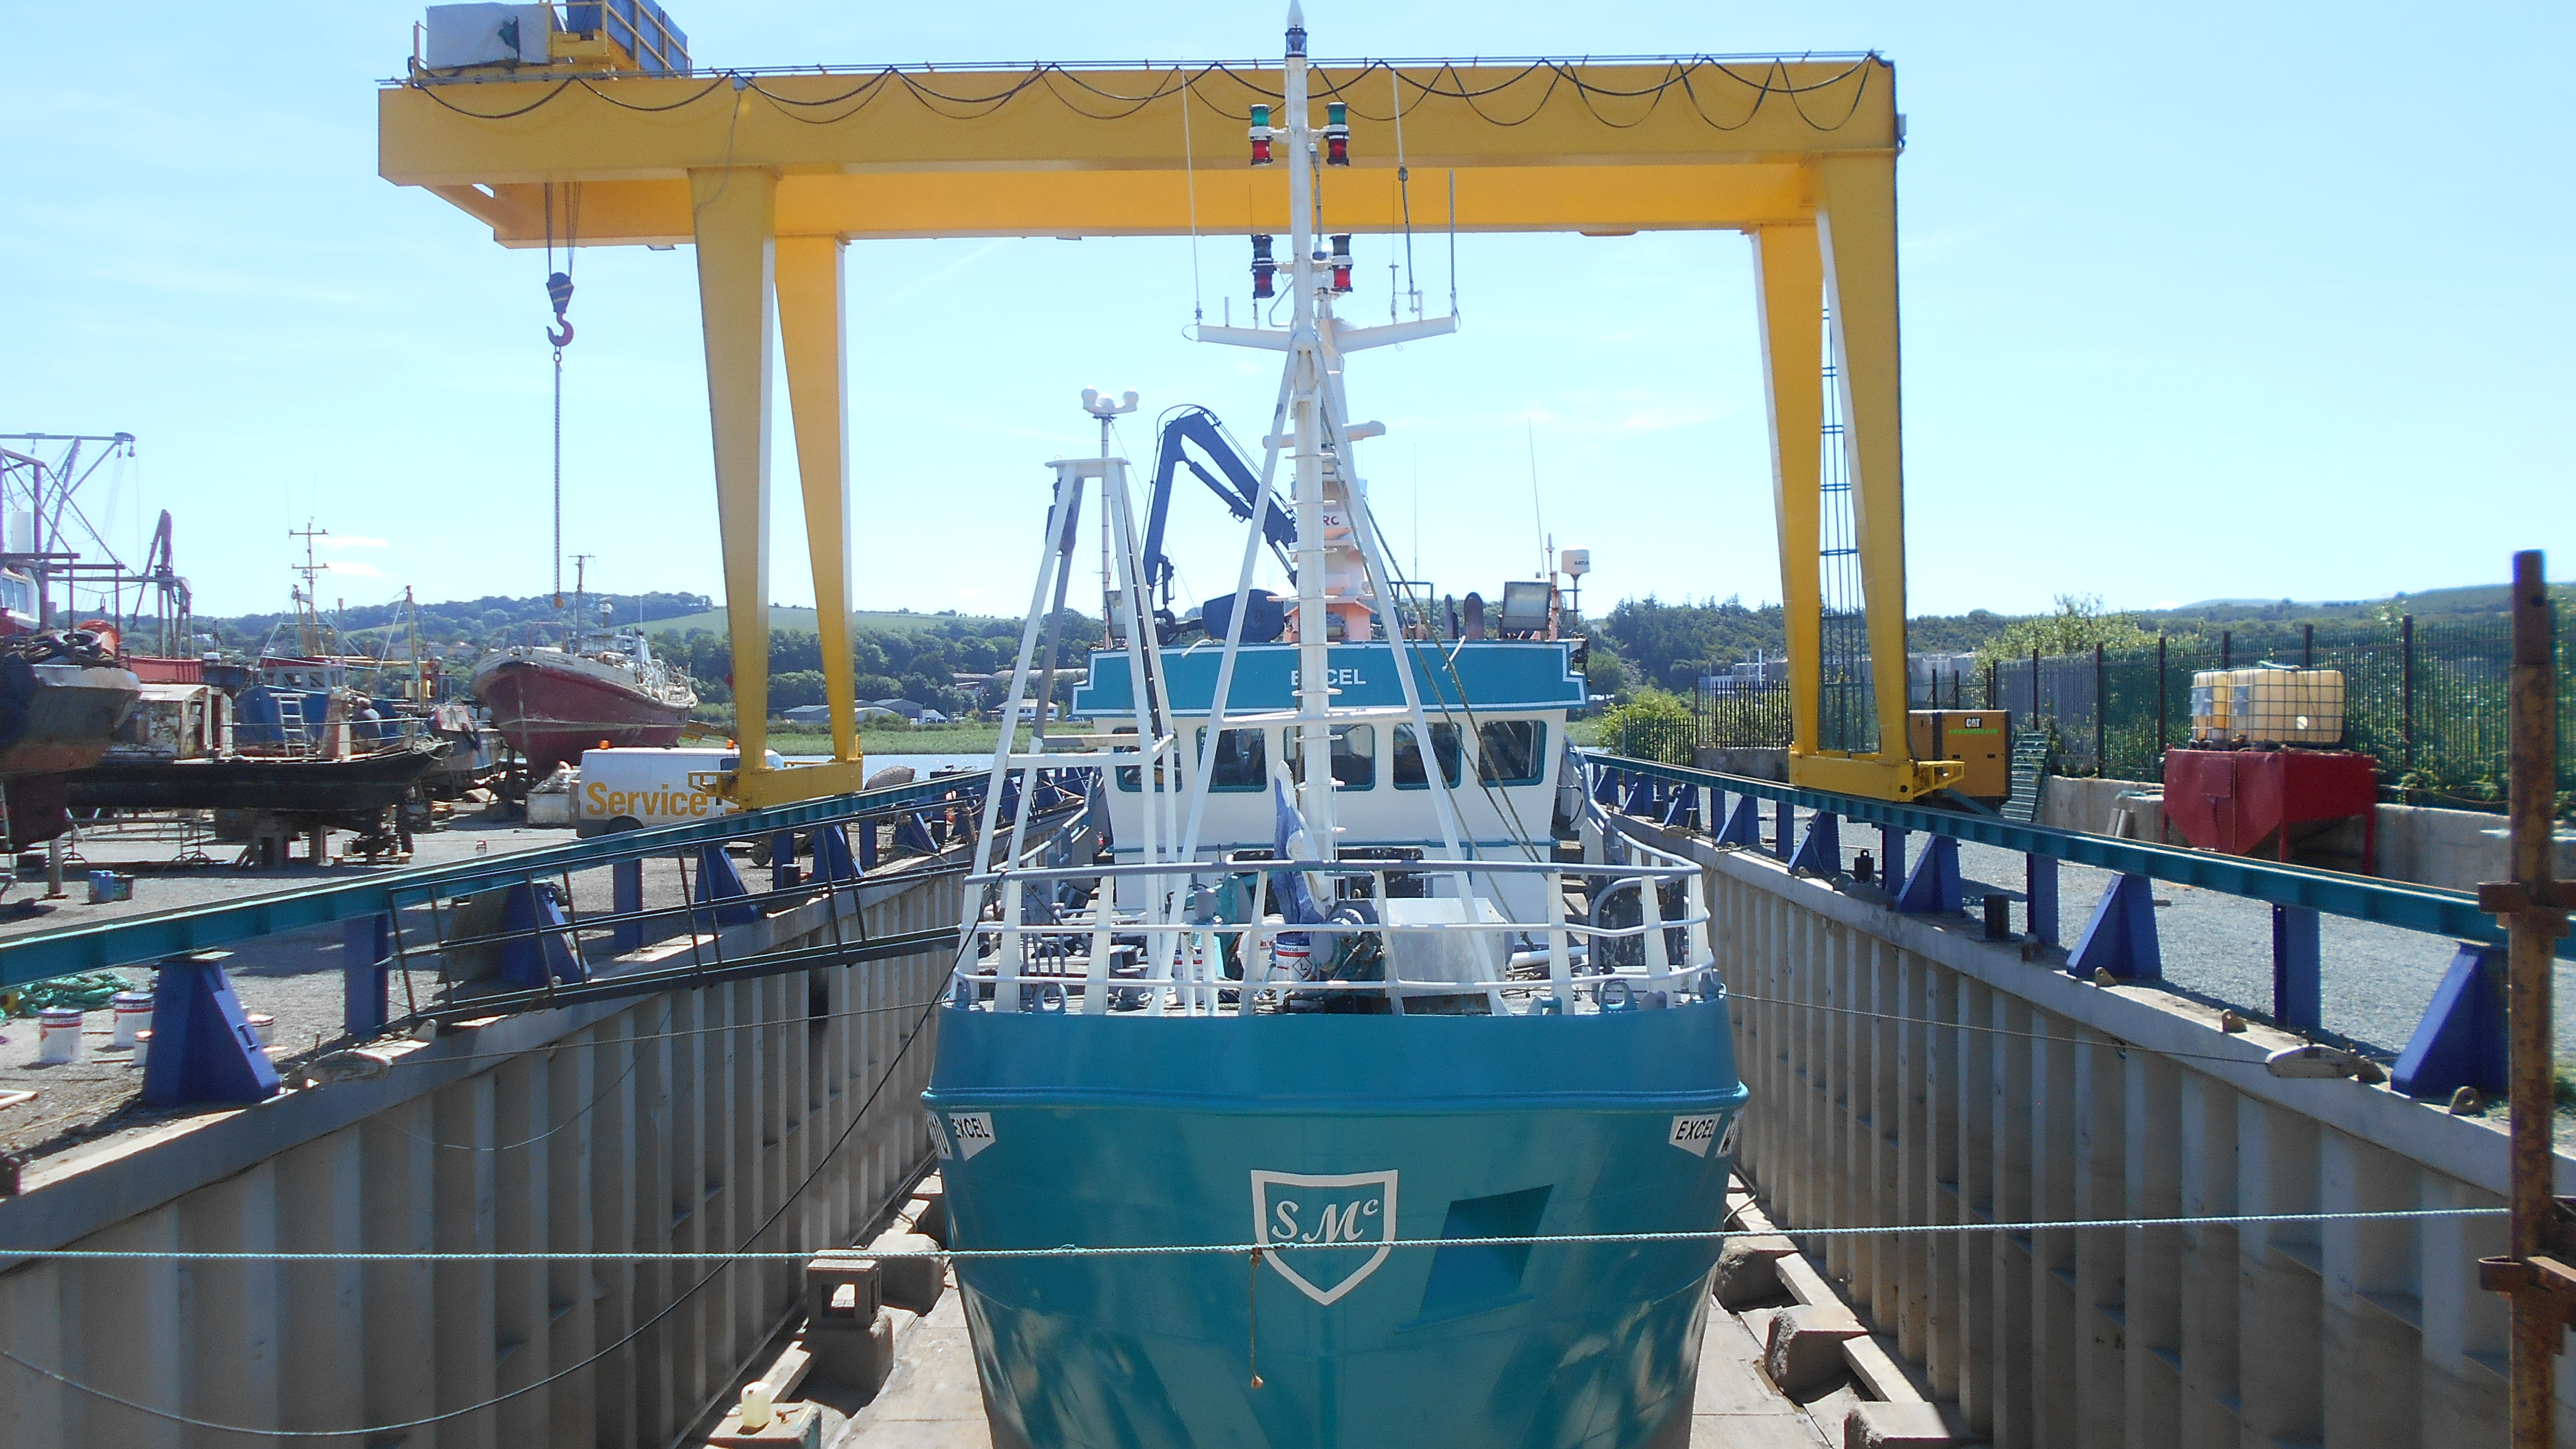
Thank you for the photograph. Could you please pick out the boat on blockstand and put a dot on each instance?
(552, 703)
(1405, 1130)
(64, 693)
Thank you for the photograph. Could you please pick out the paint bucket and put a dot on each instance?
(142, 1046)
(263, 1026)
(107, 887)
(58, 1034)
(133, 1011)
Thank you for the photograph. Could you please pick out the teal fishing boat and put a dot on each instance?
(1406, 1120)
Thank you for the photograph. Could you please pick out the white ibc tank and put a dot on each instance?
(2287, 706)
(2210, 697)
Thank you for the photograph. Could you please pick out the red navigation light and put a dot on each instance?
(1260, 135)
(1342, 262)
(1264, 271)
(1337, 134)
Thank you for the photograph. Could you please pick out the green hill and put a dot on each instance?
(801, 621)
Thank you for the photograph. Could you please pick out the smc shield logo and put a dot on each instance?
(1335, 1230)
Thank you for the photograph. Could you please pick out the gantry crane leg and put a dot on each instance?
(814, 335)
(1789, 276)
(742, 265)
(1845, 262)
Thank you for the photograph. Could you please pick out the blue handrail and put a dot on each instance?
(2412, 907)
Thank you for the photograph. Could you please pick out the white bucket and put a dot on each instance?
(133, 1013)
(142, 1047)
(58, 1034)
(263, 1026)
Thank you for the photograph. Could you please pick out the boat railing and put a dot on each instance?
(1057, 940)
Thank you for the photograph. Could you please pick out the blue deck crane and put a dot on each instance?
(1190, 423)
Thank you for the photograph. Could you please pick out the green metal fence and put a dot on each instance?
(2427, 700)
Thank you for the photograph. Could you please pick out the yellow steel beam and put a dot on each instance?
(1463, 118)
(763, 171)
(812, 330)
(735, 300)
(1789, 276)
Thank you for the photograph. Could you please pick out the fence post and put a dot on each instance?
(2406, 686)
(2226, 648)
(2034, 688)
(2307, 646)
(1994, 697)
(2160, 699)
(2101, 711)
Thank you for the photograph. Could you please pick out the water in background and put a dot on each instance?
(923, 766)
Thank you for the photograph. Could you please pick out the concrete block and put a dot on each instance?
(1748, 1272)
(929, 1210)
(843, 1291)
(855, 1356)
(912, 1283)
(1914, 1425)
(1805, 1350)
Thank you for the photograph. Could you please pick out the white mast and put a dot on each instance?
(1305, 405)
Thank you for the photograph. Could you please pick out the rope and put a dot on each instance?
(1178, 1250)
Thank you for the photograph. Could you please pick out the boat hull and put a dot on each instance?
(551, 715)
(54, 718)
(1109, 1131)
(364, 783)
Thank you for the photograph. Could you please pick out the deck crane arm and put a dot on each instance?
(1240, 489)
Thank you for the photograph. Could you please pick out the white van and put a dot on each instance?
(630, 789)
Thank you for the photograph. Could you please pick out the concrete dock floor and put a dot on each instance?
(931, 1401)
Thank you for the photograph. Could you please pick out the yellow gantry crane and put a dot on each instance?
(770, 173)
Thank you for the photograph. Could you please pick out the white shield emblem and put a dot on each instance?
(1334, 1231)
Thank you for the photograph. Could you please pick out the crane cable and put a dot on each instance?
(559, 292)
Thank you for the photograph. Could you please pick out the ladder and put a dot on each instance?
(290, 719)
(2030, 751)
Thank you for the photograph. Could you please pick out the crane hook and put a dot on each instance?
(559, 292)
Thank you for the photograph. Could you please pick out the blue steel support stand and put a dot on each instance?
(537, 951)
(1743, 823)
(1784, 829)
(867, 845)
(719, 884)
(2298, 970)
(626, 901)
(203, 1050)
(2461, 1040)
(1641, 797)
(832, 863)
(913, 833)
(1820, 850)
(1891, 856)
(1933, 887)
(2039, 878)
(366, 977)
(1605, 787)
(2121, 937)
(1683, 812)
(782, 861)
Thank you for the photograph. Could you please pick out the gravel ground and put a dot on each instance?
(2378, 979)
(292, 976)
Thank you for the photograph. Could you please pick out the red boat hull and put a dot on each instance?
(552, 715)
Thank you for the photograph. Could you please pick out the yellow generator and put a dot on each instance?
(1978, 738)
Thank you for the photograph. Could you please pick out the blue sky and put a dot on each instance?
(2199, 300)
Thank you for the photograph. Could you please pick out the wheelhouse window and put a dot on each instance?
(1409, 774)
(1354, 757)
(1511, 752)
(1242, 760)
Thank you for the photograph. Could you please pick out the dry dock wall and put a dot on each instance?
(677, 1122)
(1905, 1074)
